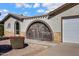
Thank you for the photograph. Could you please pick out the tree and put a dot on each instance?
(1, 29)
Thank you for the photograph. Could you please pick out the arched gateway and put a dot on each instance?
(39, 31)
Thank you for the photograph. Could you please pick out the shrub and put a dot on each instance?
(3, 38)
(1, 29)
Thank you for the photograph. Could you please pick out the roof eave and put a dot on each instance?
(61, 9)
(9, 15)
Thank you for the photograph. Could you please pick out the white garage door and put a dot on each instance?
(71, 30)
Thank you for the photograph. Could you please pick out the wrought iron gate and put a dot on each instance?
(39, 31)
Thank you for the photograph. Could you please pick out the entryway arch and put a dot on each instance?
(39, 30)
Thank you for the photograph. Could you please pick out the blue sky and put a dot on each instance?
(27, 9)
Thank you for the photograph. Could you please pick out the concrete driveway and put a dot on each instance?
(63, 49)
(29, 50)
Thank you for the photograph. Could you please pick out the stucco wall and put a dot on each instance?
(56, 20)
(10, 31)
(27, 22)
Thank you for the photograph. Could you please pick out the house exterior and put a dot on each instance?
(48, 27)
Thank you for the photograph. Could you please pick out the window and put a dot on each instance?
(17, 27)
(9, 25)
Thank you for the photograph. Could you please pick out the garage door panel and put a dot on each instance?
(71, 30)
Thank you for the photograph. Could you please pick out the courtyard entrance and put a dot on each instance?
(39, 31)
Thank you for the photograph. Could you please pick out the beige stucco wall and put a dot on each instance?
(56, 20)
(10, 31)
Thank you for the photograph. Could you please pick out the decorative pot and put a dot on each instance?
(17, 42)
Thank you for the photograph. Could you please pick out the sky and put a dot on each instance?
(27, 9)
